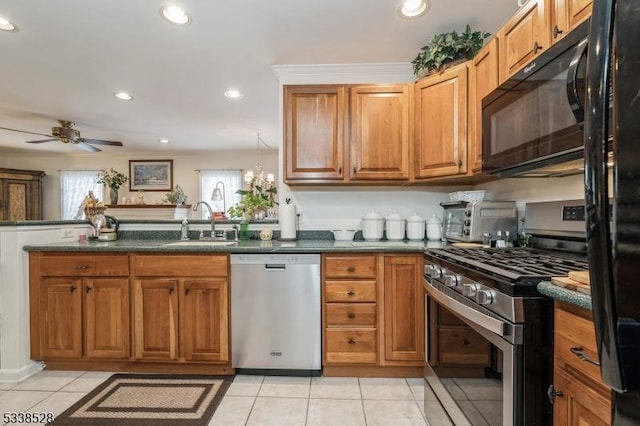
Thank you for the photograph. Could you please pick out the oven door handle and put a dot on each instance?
(491, 324)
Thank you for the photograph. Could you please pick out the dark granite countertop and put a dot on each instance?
(569, 296)
(250, 246)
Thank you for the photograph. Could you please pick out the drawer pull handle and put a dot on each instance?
(351, 269)
(552, 393)
(351, 315)
(556, 31)
(351, 341)
(579, 352)
(79, 267)
(72, 288)
(88, 289)
(536, 47)
(350, 293)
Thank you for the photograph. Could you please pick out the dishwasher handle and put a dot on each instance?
(275, 266)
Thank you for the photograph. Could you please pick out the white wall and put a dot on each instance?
(184, 169)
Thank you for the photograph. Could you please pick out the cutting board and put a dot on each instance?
(571, 284)
(580, 276)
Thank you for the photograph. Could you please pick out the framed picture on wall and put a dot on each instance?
(150, 175)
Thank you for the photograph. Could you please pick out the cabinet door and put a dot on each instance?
(106, 317)
(566, 15)
(485, 80)
(61, 318)
(315, 123)
(379, 142)
(441, 124)
(156, 318)
(205, 320)
(403, 309)
(523, 38)
(580, 404)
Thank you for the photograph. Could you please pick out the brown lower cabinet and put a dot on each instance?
(373, 311)
(580, 396)
(129, 307)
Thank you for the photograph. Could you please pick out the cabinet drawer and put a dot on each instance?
(357, 345)
(462, 346)
(349, 266)
(350, 291)
(196, 265)
(351, 314)
(83, 265)
(575, 338)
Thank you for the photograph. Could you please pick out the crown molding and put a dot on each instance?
(393, 72)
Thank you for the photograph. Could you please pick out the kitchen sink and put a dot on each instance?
(201, 243)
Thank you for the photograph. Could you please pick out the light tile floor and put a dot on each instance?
(259, 400)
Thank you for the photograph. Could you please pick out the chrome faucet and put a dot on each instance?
(213, 219)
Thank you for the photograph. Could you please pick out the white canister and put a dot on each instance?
(415, 227)
(372, 226)
(434, 228)
(394, 224)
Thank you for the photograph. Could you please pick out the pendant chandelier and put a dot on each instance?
(258, 173)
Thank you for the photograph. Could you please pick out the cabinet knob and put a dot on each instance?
(186, 291)
(536, 47)
(351, 269)
(351, 315)
(88, 289)
(354, 170)
(170, 288)
(351, 341)
(350, 293)
(340, 170)
(72, 288)
(552, 393)
(556, 31)
(459, 163)
(580, 353)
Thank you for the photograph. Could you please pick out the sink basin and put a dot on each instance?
(201, 243)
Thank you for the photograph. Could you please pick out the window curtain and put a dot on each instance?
(74, 188)
(232, 181)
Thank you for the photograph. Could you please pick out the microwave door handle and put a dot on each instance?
(572, 82)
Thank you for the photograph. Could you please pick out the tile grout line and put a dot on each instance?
(255, 399)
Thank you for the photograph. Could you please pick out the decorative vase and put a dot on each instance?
(113, 195)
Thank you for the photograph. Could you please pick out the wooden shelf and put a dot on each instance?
(147, 206)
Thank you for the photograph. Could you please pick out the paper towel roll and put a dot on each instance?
(287, 219)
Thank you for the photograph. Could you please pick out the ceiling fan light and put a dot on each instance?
(175, 15)
(233, 94)
(411, 9)
(123, 96)
(8, 26)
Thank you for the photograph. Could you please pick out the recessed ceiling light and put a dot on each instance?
(233, 94)
(123, 96)
(163, 140)
(6, 25)
(175, 15)
(411, 9)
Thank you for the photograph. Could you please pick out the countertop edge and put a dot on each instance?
(569, 296)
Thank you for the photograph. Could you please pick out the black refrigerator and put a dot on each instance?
(613, 108)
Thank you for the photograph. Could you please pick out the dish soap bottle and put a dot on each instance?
(184, 229)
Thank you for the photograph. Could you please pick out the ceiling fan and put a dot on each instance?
(67, 133)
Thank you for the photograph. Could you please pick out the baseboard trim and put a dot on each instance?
(12, 375)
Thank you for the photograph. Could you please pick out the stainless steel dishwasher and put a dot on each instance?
(275, 312)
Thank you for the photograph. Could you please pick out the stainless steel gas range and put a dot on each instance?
(494, 292)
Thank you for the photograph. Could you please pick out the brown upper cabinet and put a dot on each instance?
(484, 81)
(441, 123)
(566, 15)
(336, 134)
(523, 37)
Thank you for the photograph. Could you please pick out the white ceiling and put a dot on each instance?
(71, 55)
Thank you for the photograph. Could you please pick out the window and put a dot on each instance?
(74, 187)
(231, 181)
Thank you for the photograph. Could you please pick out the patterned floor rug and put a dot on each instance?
(148, 399)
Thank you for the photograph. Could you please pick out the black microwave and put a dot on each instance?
(535, 118)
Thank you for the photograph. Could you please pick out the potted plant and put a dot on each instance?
(114, 180)
(448, 49)
(177, 196)
(258, 197)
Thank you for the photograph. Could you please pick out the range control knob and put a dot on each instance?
(486, 297)
(465, 232)
(436, 272)
(451, 280)
(467, 222)
(467, 212)
(470, 290)
(427, 269)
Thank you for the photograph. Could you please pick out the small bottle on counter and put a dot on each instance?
(500, 240)
(486, 240)
(507, 239)
(184, 229)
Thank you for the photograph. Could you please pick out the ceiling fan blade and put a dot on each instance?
(42, 141)
(24, 131)
(86, 147)
(100, 142)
